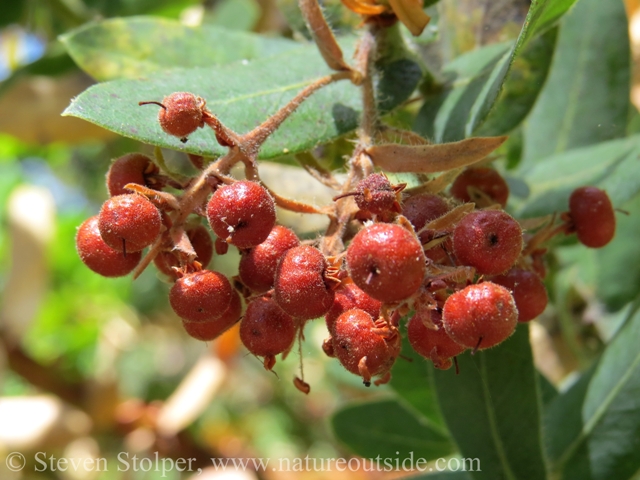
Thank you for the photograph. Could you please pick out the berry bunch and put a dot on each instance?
(458, 261)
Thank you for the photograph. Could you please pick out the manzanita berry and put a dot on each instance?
(201, 296)
(210, 329)
(528, 292)
(182, 113)
(129, 223)
(361, 348)
(480, 316)
(484, 179)
(242, 213)
(266, 330)
(130, 168)
(435, 345)
(387, 262)
(592, 216)
(258, 264)
(301, 288)
(488, 240)
(351, 296)
(99, 256)
(375, 194)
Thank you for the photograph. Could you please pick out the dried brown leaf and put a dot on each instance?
(433, 158)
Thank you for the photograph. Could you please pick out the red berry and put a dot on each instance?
(528, 292)
(201, 243)
(351, 296)
(361, 348)
(488, 240)
(99, 256)
(480, 316)
(130, 168)
(486, 180)
(129, 222)
(435, 345)
(201, 296)
(266, 330)
(182, 114)
(211, 329)
(257, 267)
(387, 262)
(421, 209)
(375, 194)
(300, 288)
(592, 216)
(242, 213)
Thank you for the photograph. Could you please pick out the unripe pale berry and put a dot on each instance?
(387, 262)
(99, 256)
(201, 296)
(242, 213)
(488, 240)
(592, 216)
(480, 316)
(129, 223)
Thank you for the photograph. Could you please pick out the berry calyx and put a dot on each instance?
(266, 330)
(435, 345)
(387, 262)
(181, 114)
(592, 216)
(362, 347)
(376, 195)
(211, 329)
(99, 256)
(129, 223)
(528, 292)
(130, 168)
(202, 244)
(488, 240)
(242, 213)
(201, 296)
(301, 287)
(257, 267)
(480, 316)
(474, 182)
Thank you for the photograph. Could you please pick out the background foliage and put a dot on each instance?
(555, 75)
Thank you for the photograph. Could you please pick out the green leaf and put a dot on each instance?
(609, 165)
(412, 380)
(492, 410)
(594, 429)
(486, 82)
(586, 98)
(547, 391)
(389, 430)
(138, 46)
(242, 95)
(546, 13)
(236, 14)
(621, 255)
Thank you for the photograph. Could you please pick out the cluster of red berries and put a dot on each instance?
(465, 269)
